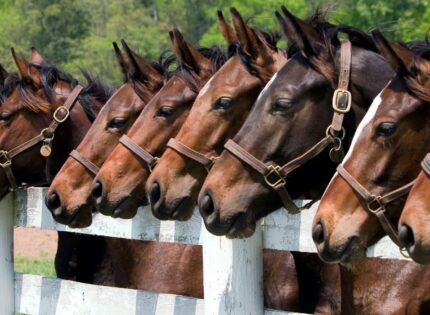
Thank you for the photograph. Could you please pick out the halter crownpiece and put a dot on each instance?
(46, 136)
(275, 175)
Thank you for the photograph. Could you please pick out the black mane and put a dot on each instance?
(8, 86)
(50, 74)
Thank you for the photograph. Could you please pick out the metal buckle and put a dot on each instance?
(42, 133)
(336, 95)
(60, 120)
(376, 201)
(274, 170)
(153, 164)
(209, 166)
(5, 159)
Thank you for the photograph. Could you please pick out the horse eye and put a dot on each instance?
(5, 117)
(117, 123)
(222, 103)
(282, 105)
(165, 111)
(386, 129)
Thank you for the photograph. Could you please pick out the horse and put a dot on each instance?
(42, 119)
(118, 189)
(69, 195)
(369, 189)
(291, 117)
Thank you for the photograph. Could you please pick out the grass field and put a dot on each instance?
(43, 266)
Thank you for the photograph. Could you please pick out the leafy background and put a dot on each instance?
(79, 34)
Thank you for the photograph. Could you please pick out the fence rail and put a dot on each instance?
(226, 292)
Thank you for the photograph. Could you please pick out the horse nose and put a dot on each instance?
(406, 235)
(207, 206)
(53, 202)
(154, 193)
(318, 233)
(97, 192)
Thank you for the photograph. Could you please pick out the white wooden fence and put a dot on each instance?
(232, 268)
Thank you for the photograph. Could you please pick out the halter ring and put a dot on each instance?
(5, 159)
(153, 164)
(213, 160)
(274, 170)
(376, 201)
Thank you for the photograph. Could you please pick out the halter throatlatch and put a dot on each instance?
(142, 154)
(46, 136)
(275, 175)
(377, 204)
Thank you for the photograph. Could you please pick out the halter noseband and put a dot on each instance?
(377, 204)
(275, 175)
(46, 136)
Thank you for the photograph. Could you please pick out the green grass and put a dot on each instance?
(36, 266)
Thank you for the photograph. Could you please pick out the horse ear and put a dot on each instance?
(142, 68)
(300, 32)
(244, 34)
(399, 57)
(21, 65)
(120, 58)
(35, 57)
(187, 54)
(226, 30)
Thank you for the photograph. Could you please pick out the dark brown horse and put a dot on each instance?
(69, 196)
(31, 102)
(291, 115)
(119, 186)
(217, 113)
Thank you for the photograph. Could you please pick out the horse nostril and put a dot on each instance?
(207, 205)
(406, 236)
(318, 234)
(97, 191)
(53, 203)
(154, 193)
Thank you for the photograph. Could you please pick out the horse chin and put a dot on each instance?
(83, 217)
(349, 253)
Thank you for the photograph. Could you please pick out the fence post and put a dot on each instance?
(7, 276)
(233, 275)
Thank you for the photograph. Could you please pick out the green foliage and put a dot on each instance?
(79, 34)
(41, 266)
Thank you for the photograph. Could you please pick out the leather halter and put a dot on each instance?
(275, 175)
(46, 136)
(90, 166)
(141, 153)
(425, 164)
(377, 204)
(207, 162)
